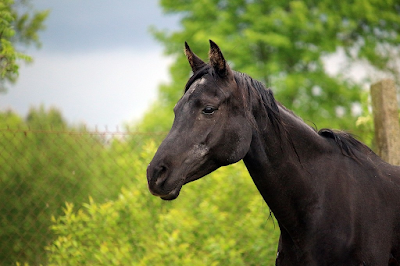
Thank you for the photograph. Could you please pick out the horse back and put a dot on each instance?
(358, 211)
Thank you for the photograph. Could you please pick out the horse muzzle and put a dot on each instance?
(159, 182)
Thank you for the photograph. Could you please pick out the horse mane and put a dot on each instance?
(345, 141)
(256, 89)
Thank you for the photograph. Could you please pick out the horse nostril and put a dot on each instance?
(163, 168)
(160, 175)
(157, 175)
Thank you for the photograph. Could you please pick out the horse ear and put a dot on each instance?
(195, 62)
(217, 60)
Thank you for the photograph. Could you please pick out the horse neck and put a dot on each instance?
(277, 161)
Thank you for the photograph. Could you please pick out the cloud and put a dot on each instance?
(103, 89)
(86, 25)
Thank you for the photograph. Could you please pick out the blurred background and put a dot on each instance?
(97, 62)
(87, 92)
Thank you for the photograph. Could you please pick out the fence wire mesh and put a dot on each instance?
(42, 169)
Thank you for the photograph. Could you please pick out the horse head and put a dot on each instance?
(209, 129)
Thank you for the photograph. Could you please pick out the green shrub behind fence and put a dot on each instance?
(43, 164)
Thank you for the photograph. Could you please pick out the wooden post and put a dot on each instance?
(386, 120)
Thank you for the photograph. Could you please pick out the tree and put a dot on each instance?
(284, 44)
(17, 27)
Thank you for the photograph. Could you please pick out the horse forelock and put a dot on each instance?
(197, 75)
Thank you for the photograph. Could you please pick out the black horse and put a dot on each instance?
(336, 202)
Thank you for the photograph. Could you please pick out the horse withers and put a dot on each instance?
(336, 202)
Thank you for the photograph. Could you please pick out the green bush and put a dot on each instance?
(44, 163)
(218, 220)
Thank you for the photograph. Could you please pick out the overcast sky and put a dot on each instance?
(98, 63)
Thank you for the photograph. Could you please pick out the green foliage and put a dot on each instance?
(283, 44)
(16, 28)
(365, 123)
(43, 163)
(219, 220)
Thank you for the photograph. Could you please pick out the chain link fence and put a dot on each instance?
(42, 169)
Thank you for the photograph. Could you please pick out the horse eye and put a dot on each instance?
(209, 110)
